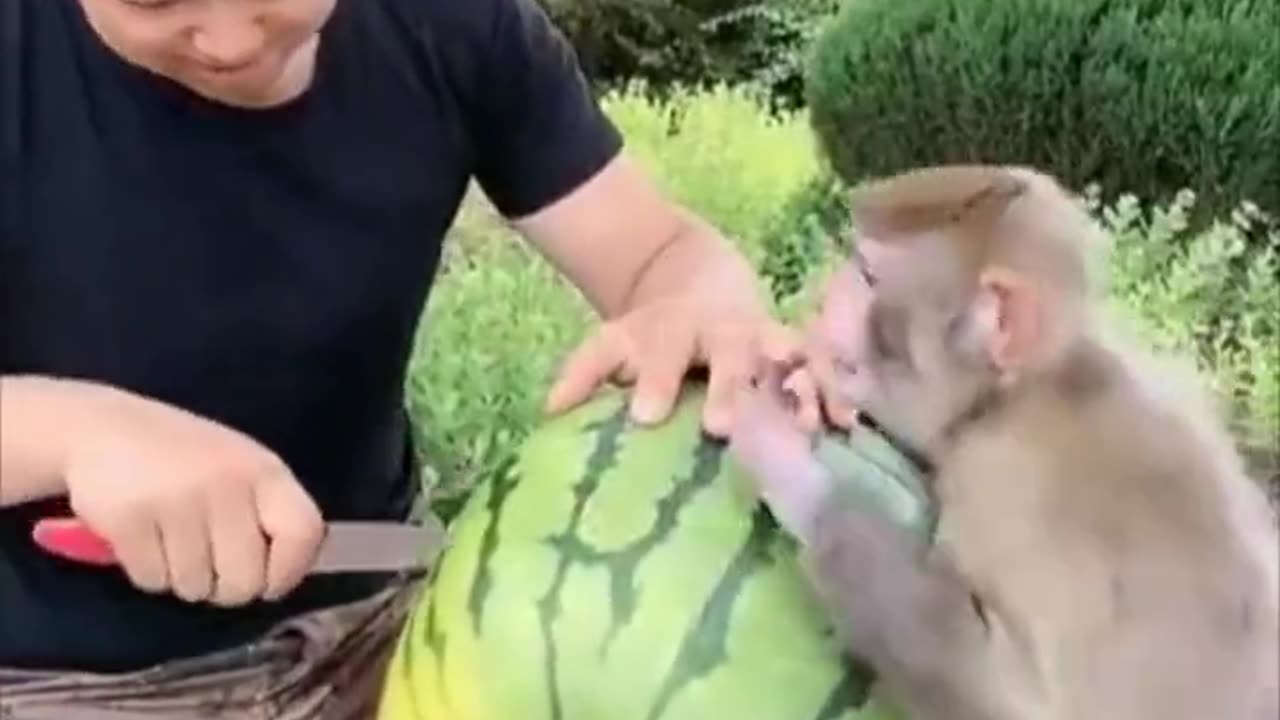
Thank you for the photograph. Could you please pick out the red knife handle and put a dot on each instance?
(70, 538)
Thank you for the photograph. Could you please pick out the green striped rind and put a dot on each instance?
(621, 573)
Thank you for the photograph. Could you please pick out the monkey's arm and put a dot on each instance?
(915, 624)
(913, 619)
(778, 459)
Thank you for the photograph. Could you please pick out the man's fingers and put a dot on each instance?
(660, 373)
(734, 362)
(602, 355)
(782, 345)
(239, 549)
(137, 544)
(294, 530)
(803, 389)
(186, 548)
(734, 355)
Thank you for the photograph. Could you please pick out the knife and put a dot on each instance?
(348, 546)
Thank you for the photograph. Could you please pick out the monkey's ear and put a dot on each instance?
(1007, 312)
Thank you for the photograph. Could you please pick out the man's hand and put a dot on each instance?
(673, 293)
(188, 505)
(653, 347)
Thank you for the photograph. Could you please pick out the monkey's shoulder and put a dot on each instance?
(1121, 468)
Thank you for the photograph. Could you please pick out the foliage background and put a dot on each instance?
(711, 96)
(1138, 96)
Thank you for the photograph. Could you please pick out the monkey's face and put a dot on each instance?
(896, 329)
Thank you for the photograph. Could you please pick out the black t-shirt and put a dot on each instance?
(263, 268)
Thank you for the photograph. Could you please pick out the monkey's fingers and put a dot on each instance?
(761, 437)
(821, 366)
(770, 402)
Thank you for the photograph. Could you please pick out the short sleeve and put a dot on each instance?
(540, 133)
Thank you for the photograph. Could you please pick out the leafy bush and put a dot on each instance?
(619, 40)
(1179, 292)
(500, 319)
(1143, 96)
(695, 43)
(766, 44)
(719, 153)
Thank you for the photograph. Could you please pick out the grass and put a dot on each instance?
(476, 386)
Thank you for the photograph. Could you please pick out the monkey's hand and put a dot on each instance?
(770, 442)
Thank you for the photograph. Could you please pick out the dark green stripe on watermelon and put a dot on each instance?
(851, 693)
(432, 635)
(623, 563)
(570, 548)
(408, 664)
(436, 641)
(703, 648)
(499, 490)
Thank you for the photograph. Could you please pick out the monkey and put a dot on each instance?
(1099, 551)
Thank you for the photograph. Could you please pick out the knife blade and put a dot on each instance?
(348, 546)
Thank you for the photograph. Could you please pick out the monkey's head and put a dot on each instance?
(966, 280)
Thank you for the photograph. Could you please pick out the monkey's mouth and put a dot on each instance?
(844, 365)
(847, 378)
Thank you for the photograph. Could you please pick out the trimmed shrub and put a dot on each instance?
(672, 44)
(1140, 96)
(765, 44)
(616, 40)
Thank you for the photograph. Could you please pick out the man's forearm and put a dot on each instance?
(624, 244)
(696, 253)
(33, 427)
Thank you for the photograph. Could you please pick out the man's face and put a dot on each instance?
(248, 53)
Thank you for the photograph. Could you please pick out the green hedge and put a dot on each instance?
(672, 44)
(1141, 96)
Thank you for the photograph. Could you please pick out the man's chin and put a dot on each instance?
(249, 96)
(285, 84)
(245, 99)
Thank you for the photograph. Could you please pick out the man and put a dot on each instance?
(221, 221)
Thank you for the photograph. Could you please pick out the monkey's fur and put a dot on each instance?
(1100, 552)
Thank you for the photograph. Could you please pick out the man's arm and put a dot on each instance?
(673, 292)
(554, 163)
(623, 243)
(33, 423)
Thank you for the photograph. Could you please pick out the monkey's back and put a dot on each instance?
(1127, 560)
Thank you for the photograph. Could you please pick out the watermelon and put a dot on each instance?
(624, 572)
